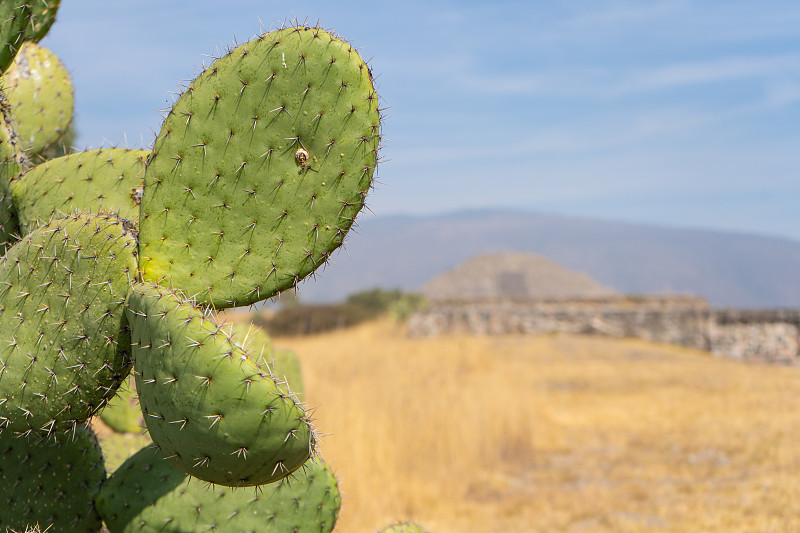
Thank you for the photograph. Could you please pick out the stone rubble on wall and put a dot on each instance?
(759, 336)
(777, 343)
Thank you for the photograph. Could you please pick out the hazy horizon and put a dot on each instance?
(462, 211)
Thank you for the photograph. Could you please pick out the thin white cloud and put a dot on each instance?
(612, 81)
(782, 93)
(615, 14)
(617, 133)
(627, 131)
(712, 71)
(690, 23)
(650, 174)
(612, 132)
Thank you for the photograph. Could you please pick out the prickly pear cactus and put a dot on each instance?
(285, 366)
(104, 180)
(118, 447)
(50, 485)
(209, 407)
(122, 414)
(43, 15)
(14, 21)
(148, 494)
(260, 168)
(39, 91)
(64, 345)
(254, 180)
(10, 144)
(8, 222)
(9, 167)
(13, 161)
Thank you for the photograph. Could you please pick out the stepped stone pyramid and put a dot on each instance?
(513, 276)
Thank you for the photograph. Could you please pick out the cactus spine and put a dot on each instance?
(285, 366)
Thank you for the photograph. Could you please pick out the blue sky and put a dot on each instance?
(674, 112)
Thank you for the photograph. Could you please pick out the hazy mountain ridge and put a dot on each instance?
(729, 269)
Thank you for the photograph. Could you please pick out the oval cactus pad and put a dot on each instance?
(10, 167)
(260, 168)
(15, 17)
(105, 180)
(43, 15)
(64, 345)
(148, 494)
(210, 408)
(40, 93)
(50, 484)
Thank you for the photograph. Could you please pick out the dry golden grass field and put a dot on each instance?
(552, 433)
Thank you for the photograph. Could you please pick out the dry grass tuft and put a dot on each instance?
(552, 433)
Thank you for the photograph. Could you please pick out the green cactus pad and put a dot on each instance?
(260, 168)
(14, 21)
(40, 93)
(148, 494)
(286, 366)
(105, 180)
(12, 162)
(50, 485)
(117, 447)
(43, 15)
(8, 221)
(122, 414)
(64, 345)
(210, 408)
(9, 168)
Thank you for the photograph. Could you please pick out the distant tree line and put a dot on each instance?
(297, 318)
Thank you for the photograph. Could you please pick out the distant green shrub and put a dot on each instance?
(305, 319)
(375, 300)
(405, 306)
(394, 301)
(309, 319)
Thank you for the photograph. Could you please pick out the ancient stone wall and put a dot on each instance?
(759, 335)
(769, 336)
